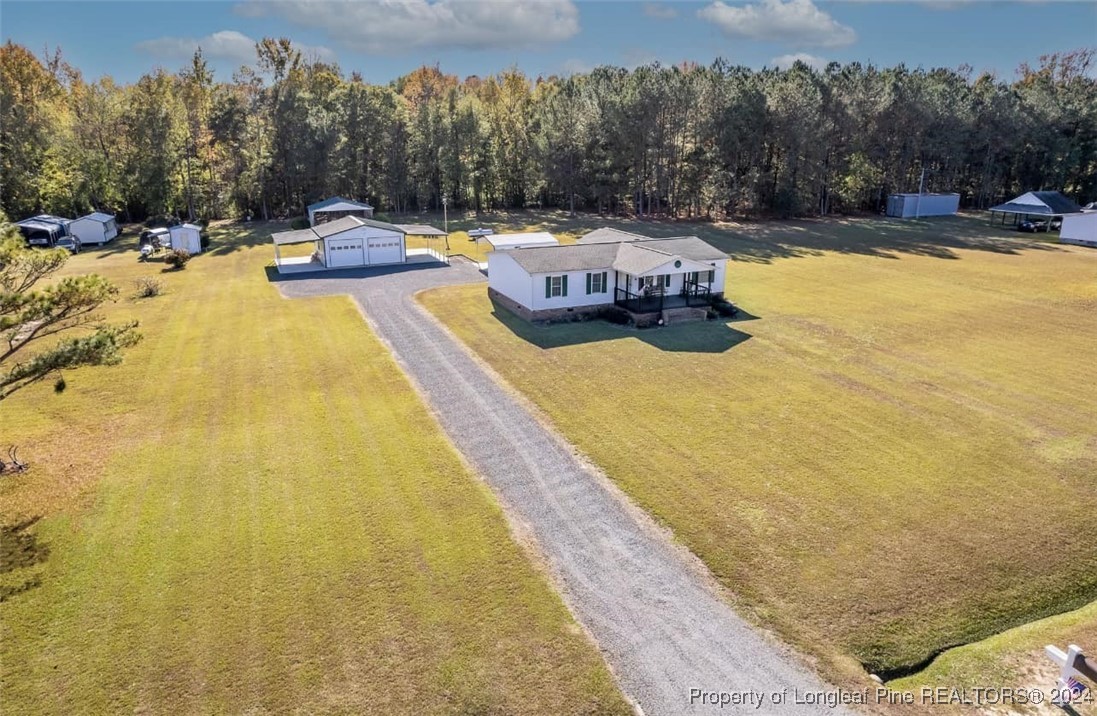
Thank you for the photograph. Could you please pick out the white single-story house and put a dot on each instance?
(607, 267)
(506, 242)
(344, 243)
(94, 228)
(186, 237)
(1080, 228)
(336, 208)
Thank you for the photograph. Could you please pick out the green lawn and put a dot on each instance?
(881, 459)
(256, 513)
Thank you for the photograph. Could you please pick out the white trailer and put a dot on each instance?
(909, 206)
(1079, 229)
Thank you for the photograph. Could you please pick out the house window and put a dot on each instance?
(596, 282)
(665, 280)
(556, 286)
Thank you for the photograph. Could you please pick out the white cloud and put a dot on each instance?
(387, 26)
(795, 22)
(576, 67)
(659, 11)
(223, 45)
(784, 62)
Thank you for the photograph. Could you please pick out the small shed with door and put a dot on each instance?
(186, 237)
(94, 228)
(336, 208)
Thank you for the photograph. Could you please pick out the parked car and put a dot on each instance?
(1032, 226)
(69, 242)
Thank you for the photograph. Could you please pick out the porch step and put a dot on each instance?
(681, 315)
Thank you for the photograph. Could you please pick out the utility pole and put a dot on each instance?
(445, 213)
(921, 184)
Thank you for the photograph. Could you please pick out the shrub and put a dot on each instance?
(616, 314)
(147, 287)
(725, 308)
(711, 314)
(300, 222)
(177, 258)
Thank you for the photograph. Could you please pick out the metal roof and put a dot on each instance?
(1045, 203)
(510, 241)
(352, 222)
(606, 235)
(37, 224)
(299, 236)
(420, 230)
(97, 216)
(333, 204)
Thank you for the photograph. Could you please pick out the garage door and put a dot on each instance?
(384, 250)
(345, 252)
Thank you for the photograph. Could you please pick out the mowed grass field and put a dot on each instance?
(255, 513)
(892, 453)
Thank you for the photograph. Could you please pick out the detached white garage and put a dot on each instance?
(95, 228)
(344, 243)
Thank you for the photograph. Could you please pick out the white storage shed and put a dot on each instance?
(95, 228)
(186, 237)
(1079, 229)
(909, 206)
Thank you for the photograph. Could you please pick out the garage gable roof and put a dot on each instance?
(97, 216)
(338, 203)
(353, 222)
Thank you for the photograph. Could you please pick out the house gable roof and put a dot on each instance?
(338, 203)
(635, 257)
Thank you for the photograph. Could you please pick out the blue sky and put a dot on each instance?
(383, 40)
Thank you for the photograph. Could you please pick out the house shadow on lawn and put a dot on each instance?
(718, 336)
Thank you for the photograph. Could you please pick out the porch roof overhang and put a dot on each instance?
(300, 236)
(638, 260)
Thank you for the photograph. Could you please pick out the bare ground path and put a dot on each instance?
(660, 624)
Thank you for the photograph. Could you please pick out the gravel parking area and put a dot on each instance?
(670, 639)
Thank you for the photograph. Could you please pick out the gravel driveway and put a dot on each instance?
(651, 608)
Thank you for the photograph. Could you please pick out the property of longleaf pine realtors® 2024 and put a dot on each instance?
(927, 696)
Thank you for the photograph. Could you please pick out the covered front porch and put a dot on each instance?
(654, 293)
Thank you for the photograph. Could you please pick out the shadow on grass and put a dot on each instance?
(358, 272)
(20, 549)
(696, 337)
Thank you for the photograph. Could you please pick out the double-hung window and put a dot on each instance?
(556, 286)
(596, 282)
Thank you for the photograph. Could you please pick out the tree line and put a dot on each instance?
(687, 141)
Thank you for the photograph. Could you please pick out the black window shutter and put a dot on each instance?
(588, 283)
(564, 288)
(605, 287)
(548, 286)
